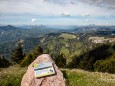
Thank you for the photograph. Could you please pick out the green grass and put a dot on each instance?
(12, 77)
(68, 36)
(77, 77)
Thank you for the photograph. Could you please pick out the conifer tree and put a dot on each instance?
(4, 62)
(60, 61)
(17, 53)
(31, 56)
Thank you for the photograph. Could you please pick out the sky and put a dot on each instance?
(57, 12)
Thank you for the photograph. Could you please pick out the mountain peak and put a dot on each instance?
(8, 27)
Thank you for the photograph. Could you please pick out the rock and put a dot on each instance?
(30, 80)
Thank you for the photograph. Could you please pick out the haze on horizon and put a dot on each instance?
(57, 12)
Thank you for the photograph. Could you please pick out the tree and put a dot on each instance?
(4, 62)
(60, 61)
(114, 46)
(31, 56)
(37, 51)
(17, 53)
(27, 60)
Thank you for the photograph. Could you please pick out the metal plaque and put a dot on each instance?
(44, 69)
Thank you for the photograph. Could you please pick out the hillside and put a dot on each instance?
(67, 44)
(76, 49)
(101, 58)
(10, 35)
(30, 34)
(80, 52)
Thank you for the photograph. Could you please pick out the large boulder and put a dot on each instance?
(29, 78)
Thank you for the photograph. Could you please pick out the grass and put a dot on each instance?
(68, 36)
(77, 77)
(12, 77)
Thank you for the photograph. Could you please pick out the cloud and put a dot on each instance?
(113, 6)
(59, 2)
(56, 7)
(66, 14)
(56, 10)
(85, 14)
(33, 20)
(101, 3)
(45, 0)
(86, 20)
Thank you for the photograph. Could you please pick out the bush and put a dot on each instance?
(107, 65)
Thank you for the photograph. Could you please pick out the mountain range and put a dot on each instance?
(32, 35)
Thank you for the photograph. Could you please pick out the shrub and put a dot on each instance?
(107, 65)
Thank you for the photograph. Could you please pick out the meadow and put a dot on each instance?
(74, 77)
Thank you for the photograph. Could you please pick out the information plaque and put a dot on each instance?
(43, 69)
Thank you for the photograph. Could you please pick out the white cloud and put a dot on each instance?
(85, 14)
(66, 14)
(52, 7)
(86, 20)
(33, 20)
(53, 11)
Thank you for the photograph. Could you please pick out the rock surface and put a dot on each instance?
(55, 80)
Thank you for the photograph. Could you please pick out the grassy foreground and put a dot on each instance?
(12, 77)
(76, 77)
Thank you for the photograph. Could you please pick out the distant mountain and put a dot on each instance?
(87, 29)
(32, 26)
(32, 34)
(105, 32)
(7, 28)
(9, 35)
